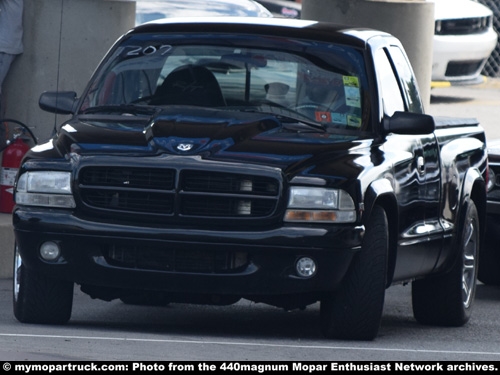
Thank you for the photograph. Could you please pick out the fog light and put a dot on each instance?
(50, 251)
(306, 267)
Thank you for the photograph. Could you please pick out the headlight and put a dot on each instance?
(311, 204)
(45, 188)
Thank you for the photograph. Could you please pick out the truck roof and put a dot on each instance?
(305, 29)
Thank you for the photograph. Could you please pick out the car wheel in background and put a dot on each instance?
(489, 258)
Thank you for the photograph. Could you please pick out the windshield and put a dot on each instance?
(317, 83)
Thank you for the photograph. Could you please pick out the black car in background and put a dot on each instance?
(489, 260)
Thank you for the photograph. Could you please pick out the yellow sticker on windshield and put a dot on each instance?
(350, 81)
(354, 121)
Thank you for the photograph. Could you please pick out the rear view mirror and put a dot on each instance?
(409, 123)
(60, 102)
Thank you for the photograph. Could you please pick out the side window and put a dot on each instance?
(389, 90)
(407, 79)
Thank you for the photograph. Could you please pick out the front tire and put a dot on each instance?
(447, 300)
(354, 312)
(40, 299)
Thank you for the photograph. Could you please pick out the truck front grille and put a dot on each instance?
(182, 193)
(175, 260)
(145, 190)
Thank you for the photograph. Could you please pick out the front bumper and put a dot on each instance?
(469, 50)
(185, 260)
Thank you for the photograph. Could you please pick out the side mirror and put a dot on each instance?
(60, 102)
(409, 123)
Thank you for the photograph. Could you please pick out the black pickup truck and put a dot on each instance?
(286, 162)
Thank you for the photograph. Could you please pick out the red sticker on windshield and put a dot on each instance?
(323, 116)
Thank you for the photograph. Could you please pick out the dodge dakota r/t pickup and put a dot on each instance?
(285, 162)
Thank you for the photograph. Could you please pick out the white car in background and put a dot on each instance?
(463, 40)
(149, 10)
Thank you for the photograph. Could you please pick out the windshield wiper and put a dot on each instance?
(309, 123)
(284, 113)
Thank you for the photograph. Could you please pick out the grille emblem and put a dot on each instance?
(184, 146)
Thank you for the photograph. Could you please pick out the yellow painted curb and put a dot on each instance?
(439, 84)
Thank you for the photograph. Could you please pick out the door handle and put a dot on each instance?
(421, 164)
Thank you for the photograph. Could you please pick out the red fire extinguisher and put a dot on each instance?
(11, 161)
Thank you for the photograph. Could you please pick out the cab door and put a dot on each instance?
(415, 169)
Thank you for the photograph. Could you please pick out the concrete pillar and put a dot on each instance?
(63, 40)
(411, 21)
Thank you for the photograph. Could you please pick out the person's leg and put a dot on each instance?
(5, 61)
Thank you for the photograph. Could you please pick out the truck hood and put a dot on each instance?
(211, 134)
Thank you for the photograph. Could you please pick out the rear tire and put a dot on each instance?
(40, 299)
(354, 312)
(447, 300)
